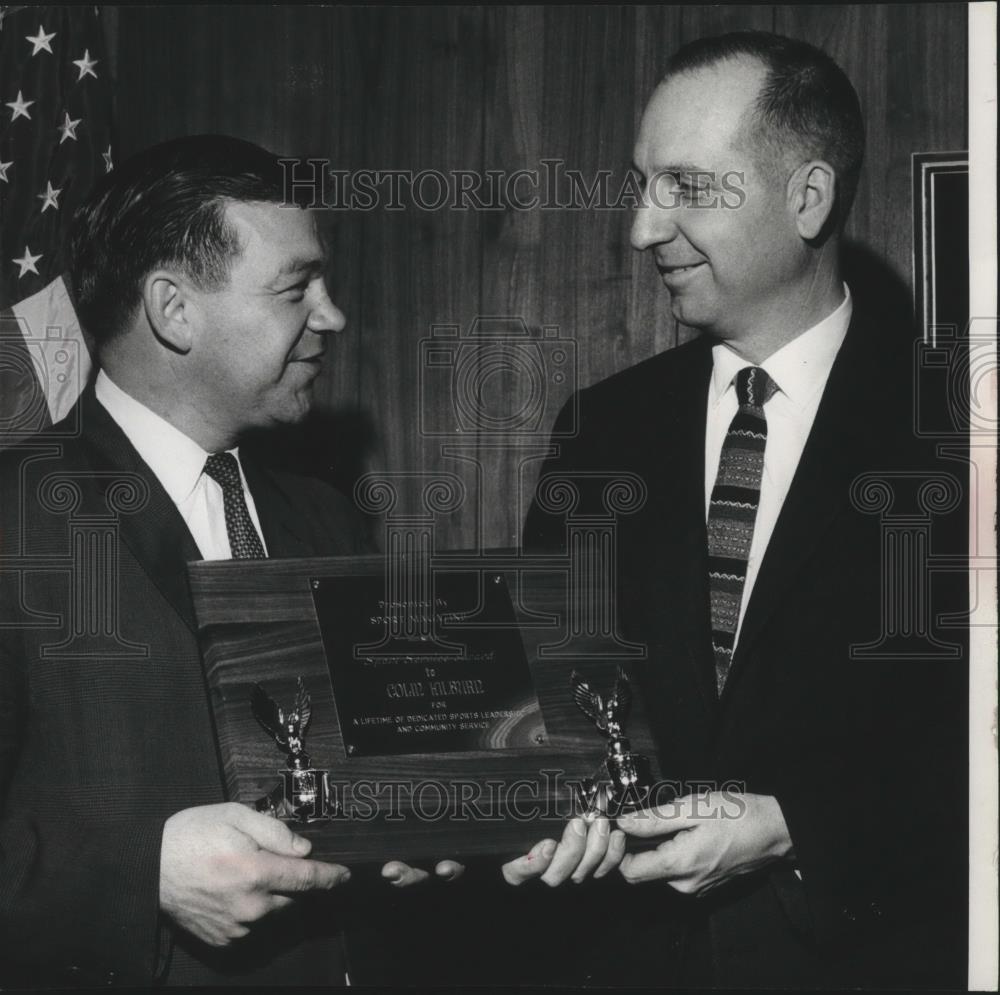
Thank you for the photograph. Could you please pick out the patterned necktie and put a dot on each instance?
(733, 510)
(244, 542)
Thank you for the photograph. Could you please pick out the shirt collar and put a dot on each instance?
(800, 367)
(176, 460)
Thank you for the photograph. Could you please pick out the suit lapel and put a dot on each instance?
(283, 530)
(819, 490)
(675, 515)
(156, 534)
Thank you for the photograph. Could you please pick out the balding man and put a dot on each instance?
(819, 834)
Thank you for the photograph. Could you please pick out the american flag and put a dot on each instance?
(55, 141)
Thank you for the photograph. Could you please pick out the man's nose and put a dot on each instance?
(653, 222)
(325, 316)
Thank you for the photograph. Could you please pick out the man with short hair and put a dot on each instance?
(119, 860)
(819, 835)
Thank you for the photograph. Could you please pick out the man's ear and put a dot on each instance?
(812, 190)
(166, 299)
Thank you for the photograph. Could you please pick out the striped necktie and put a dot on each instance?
(244, 541)
(733, 510)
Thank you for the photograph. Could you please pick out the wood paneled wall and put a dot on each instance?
(503, 88)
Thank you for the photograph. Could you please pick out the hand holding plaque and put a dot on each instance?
(435, 718)
(621, 784)
(304, 792)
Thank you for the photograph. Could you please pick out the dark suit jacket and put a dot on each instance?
(101, 743)
(866, 757)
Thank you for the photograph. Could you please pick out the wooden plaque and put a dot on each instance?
(488, 770)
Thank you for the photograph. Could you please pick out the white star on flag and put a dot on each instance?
(106, 156)
(27, 262)
(4, 166)
(40, 41)
(68, 128)
(20, 107)
(51, 198)
(85, 65)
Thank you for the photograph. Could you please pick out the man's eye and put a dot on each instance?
(297, 290)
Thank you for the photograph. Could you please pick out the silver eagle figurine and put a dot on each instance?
(622, 781)
(305, 789)
(287, 730)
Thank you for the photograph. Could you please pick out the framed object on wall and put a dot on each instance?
(941, 242)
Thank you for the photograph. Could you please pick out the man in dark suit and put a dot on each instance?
(119, 860)
(819, 835)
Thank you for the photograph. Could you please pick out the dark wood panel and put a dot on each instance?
(927, 105)
(715, 19)
(422, 270)
(587, 124)
(514, 248)
(474, 88)
(319, 113)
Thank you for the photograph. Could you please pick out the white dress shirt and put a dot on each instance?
(800, 369)
(177, 463)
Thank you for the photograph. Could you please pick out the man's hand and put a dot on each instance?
(714, 837)
(585, 848)
(402, 875)
(223, 867)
